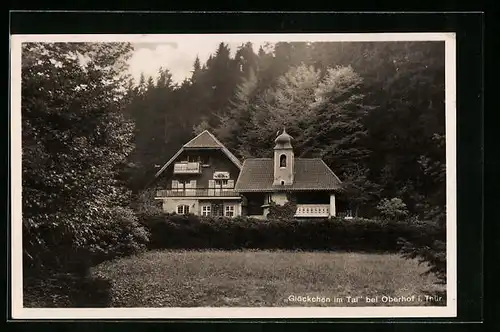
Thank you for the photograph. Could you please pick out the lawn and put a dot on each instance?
(266, 278)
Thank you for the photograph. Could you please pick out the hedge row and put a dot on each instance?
(193, 232)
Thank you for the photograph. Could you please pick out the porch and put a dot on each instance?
(312, 211)
(308, 204)
(303, 211)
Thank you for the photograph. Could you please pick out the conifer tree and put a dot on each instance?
(235, 124)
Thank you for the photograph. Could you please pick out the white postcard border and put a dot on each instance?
(18, 312)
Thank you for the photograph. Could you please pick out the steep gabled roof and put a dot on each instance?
(257, 175)
(204, 140)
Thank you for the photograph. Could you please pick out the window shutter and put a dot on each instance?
(192, 183)
(230, 183)
(175, 184)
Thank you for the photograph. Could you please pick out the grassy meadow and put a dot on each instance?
(265, 278)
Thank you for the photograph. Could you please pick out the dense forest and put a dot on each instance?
(373, 111)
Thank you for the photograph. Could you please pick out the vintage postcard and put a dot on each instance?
(233, 176)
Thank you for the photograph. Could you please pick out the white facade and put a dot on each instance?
(333, 211)
(283, 161)
(202, 207)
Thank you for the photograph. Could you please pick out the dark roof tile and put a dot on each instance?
(310, 174)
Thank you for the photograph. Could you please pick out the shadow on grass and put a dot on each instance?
(64, 290)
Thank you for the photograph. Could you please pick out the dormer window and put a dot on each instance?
(282, 160)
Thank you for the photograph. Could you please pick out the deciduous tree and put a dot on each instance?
(75, 138)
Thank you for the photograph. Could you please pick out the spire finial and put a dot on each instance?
(283, 139)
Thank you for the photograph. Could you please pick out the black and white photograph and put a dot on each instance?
(233, 175)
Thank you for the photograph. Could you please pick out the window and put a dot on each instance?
(182, 209)
(229, 210)
(179, 185)
(205, 210)
(221, 182)
(282, 160)
(217, 210)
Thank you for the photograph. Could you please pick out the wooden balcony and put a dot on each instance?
(197, 192)
(187, 168)
(313, 210)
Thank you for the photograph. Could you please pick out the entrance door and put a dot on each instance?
(217, 210)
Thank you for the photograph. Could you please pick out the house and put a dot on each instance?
(308, 181)
(200, 179)
(205, 178)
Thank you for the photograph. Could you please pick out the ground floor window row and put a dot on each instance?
(232, 210)
(213, 210)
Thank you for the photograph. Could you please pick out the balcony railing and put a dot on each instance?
(187, 168)
(197, 192)
(312, 210)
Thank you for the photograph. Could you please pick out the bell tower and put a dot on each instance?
(283, 160)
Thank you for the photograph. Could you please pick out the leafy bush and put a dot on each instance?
(78, 242)
(146, 204)
(392, 209)
(58, 276)
(123, 235)
(285, 211)
(193, 232)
